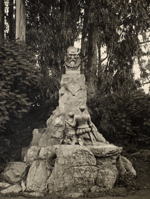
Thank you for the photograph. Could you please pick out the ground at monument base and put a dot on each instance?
(139, 188)
(142, 194)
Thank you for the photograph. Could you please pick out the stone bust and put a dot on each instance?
(73, 61)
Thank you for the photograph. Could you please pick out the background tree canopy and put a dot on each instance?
(30, 74)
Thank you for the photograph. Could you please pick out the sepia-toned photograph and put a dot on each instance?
(75, 99)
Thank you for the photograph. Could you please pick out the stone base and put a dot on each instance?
(71, 170)
(75, 171)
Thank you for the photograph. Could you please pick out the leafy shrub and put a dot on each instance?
(123, 116)
(19, 79)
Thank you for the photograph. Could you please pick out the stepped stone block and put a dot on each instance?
(37, 177)
(74, 173)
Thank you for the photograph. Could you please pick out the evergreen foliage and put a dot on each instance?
(117, 26)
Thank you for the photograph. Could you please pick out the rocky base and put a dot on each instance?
(66, 170)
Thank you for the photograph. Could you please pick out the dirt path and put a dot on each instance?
(142, 194)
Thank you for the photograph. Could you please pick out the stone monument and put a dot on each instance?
(69, 158)
(72, 101)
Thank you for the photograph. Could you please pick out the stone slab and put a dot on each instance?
(104, 150)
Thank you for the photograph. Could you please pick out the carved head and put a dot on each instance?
(72, 55)
(71, 114)
(82, 108)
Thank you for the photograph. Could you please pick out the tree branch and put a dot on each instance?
(144, 42)
(41, 13)
(146, 83)
(104, 59)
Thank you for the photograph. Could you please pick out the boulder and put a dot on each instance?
(37, 177)
(32, 154)
(67, 182)
(74, 173)
(14, 172)
(48, 154)
(106, 176)
(12, 189)
(4, 185)
(37, 133)
(104, 150)
(125, 166)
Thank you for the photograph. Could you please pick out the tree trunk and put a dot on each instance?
(84, 40)
(91, 68)
(99, 64)
(20, 20)
(10, 19)
(1, 20)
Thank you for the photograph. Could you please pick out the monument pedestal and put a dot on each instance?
(76, 171)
